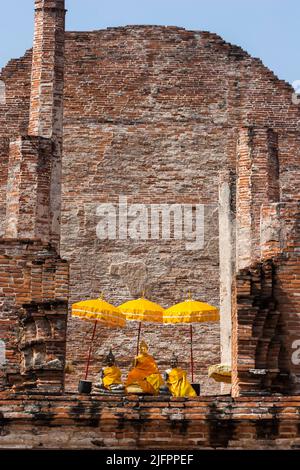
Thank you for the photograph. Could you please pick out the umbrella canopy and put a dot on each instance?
(97, 310)
(142, 310)
(191, 311)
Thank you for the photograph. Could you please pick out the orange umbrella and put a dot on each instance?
(191, 311)
(97, 310)
(142, 310)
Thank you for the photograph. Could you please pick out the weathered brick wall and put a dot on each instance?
(266, 328)
(46, 94)
(33, 299)
(4, 154)
(257, 333)
(33, 278)
(257, 184)
(14, 114)
(47, 78)
(13, 117)
(28, 188)
(152, 117)
(122, 269)
(287, 287)
(95, 423)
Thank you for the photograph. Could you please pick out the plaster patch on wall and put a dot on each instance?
(134, 275)
(2, 353)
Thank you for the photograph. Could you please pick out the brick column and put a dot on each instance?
(28, 189)
(227, 257)
(46, 100)
(33, 199)
(33, 278)
(257, 341)
(47, 81)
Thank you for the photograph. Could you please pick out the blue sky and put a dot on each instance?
(268, 29)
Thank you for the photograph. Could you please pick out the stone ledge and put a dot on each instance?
(79, 407)
(132, 422)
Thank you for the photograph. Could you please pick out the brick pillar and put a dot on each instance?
(227, 257)
(47, 81)
(28, 189)
(46, 101)
(4, 152)
(257, 184)
(33, 196)
(257, 343)
(280, 240)
(33, 278)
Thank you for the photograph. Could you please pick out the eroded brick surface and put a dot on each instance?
(154, 114)
(150, 423)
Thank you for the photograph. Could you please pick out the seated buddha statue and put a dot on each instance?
(110, 376)
(177, 382)
(144, 377)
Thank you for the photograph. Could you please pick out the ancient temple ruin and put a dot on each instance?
(159, 115)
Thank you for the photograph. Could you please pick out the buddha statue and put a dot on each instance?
(177, 382)
(144, 377)
(110, 376)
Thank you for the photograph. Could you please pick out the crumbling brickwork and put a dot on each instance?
(33, 278)
(162, 130)
(150, 423)
(158, 115)
(266, 320)
(34, 293)
(147, 118)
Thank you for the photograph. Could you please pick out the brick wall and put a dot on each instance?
(149, 423)
(47, 73)
(14, 113)
(33, 296)
(257, 184)
(154, 113)
(149, 116)
(4, 155)
(266, 328)
(33, 278)
(28, 189)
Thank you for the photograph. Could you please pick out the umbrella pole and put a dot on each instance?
(90, 351)
(138, 340)
(192, 358)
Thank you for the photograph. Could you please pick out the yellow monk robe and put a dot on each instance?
(145, 374)
(111, 376)
(178, 383)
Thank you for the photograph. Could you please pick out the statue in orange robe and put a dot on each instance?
(177, 382)
(144, 377)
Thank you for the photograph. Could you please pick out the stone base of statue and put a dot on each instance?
(164, 390)
(135, 390)
(113, 390)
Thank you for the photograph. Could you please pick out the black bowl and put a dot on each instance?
(84, 386)
(196, 387)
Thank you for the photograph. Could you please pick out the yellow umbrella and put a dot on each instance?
(97, 310)
(142, 310)
(191, 311)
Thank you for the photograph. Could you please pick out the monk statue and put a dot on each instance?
(110, 376)
(177, 381)
(144, 377)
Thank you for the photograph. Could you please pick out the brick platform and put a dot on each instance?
(79, 422)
